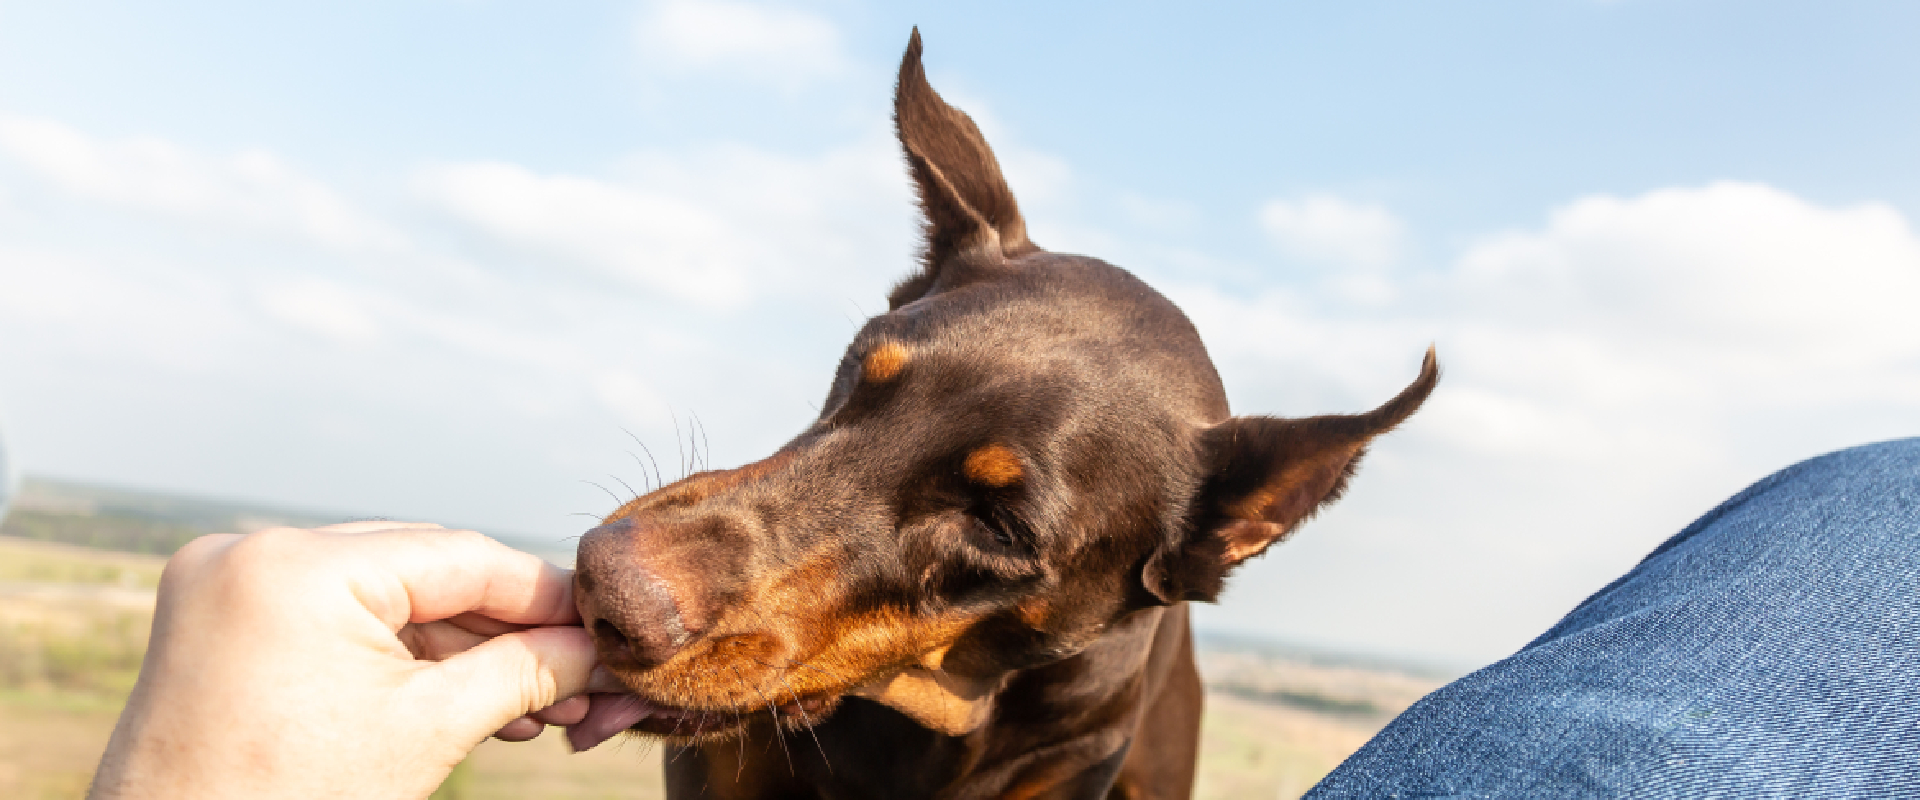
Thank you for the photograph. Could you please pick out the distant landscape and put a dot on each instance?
(79, 563)
(157, 523)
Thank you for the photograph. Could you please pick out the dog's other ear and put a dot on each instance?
(1266, 476)
(972, 223)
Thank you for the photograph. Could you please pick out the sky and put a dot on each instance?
(463, 261)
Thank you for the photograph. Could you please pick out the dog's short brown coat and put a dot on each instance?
(968, 577)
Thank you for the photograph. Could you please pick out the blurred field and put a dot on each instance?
(132, 521)
(74, 620)
(73, 625)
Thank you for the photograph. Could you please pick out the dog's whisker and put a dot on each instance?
(657, 482)
(740, 768)
(703, 450)
(616, 498)
(624, 485)
(706, 446)
(773, 715)
(645, 481)
(677, 445)
(807, 720)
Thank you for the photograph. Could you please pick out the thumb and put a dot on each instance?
(506, 677)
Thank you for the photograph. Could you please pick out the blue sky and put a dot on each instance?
(433, 259)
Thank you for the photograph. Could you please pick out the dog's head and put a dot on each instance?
(1027, 448)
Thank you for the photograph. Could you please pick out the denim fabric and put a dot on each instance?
(1771, 649)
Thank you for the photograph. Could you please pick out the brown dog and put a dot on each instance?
(968, 577)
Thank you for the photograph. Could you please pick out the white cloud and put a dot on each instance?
(1326, 228)
(486, 379)
(720, 226)
(1610, 372)
(252, 188)
(629, 397)
(1041, 181)
(1695, 299)
(1608, 376)
(71, 307)
(1738, 267)
(323, 307)
(1167, 215)
(773, 44)
(648, 239)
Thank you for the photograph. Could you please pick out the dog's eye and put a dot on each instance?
(1006, 529)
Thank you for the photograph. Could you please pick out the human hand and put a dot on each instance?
(357, 660)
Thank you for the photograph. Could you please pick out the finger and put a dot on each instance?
(436, 641)
(423, 574)
(566, 712)
(519, 730)
(485, 688)
(186, 569)
(483, 625)
(371, 525)
(194, 555)
(603, 680)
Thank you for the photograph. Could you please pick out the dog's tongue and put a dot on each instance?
(607, 716)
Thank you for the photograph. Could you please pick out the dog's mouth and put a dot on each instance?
(614, 714)
(624, 699)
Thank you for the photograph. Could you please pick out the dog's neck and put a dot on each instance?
(1111, 669)
(1064, 728)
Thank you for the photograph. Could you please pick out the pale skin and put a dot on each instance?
(357, 660)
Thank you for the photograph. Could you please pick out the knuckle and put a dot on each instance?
(270, 545)
(461, 536)
(188, 565)
(538, 688)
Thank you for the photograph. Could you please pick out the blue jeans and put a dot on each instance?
(1771, 649)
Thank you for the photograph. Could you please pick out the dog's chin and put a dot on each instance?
(614, 714)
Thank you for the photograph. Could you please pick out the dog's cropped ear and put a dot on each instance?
(972, 223)
(1266, 476)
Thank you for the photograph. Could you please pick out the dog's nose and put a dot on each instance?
(626, 599)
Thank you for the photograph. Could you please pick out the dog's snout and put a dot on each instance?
(641, 591)
(624, 602)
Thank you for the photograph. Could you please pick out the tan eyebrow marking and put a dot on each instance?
(884, 362)
(993, 465)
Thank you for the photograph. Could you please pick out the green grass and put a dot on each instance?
(73, 621)
(101, 657)
(28, 561)
(124, 533)
(457, 786)
(73, 629)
